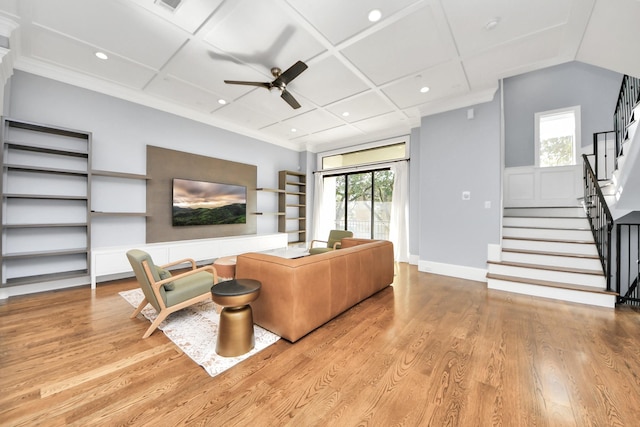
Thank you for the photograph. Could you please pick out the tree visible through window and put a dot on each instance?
(363, 203)
(557, 151)
(557, 136)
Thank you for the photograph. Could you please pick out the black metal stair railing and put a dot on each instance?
(627, 236)
(628, 259)
(604, 144)
(599, 216)
(628, 98)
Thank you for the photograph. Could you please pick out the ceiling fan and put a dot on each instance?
(280, 82)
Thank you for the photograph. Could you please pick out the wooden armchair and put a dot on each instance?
(332, 243)
(167, 293)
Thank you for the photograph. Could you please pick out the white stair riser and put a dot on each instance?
(598, 282)
(608, 190)
(545, 212)
(565, 248)
(546, 233)
(626, 146)
(555, 261)
(546, 222)
(621, 160)
(597, 299)
(616, 177)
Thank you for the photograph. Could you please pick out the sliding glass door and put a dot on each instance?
(363, 202)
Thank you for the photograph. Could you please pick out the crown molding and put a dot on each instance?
(468, 100)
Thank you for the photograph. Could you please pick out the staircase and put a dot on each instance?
(627, 171)
(550, 252)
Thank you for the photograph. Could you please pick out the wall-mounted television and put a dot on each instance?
(208, 203)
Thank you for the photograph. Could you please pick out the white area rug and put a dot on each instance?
(195, 330)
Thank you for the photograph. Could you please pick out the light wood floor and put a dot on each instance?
(431, 350)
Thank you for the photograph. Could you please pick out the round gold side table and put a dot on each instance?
(235, 331)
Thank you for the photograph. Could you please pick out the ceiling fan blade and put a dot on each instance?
(290, 74)
(259, 84)
(286, 95)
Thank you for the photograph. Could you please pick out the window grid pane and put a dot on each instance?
(363, 203)
(557, 139)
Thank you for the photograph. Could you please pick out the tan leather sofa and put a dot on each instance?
(299, 295)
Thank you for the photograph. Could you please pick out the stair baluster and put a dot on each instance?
(599, 216)
(628, 259)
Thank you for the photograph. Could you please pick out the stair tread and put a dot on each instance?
(562, 254)
(543, 207)
(548, 267)
(547, 228)
(550, 284)
(545, 217)
(535, 239)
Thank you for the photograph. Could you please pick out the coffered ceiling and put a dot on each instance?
(364, 78)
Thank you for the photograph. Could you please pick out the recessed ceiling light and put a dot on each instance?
(222, 101)
(375, 15)
(424, 89)
(345, 114)
(492, 23)
(294, 130)
(101, 55)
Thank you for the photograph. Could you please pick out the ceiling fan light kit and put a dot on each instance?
(281, 79)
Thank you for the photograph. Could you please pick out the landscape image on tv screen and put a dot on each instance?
(208, 203)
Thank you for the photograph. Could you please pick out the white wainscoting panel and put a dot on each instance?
(460, 271)
(533, 186)
(519, 185)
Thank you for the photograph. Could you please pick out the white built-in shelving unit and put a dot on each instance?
(65, 224)
(292, 204)
(53, 203)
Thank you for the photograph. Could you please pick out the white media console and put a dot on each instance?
(113, 260)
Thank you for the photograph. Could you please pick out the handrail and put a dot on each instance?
(599, 216)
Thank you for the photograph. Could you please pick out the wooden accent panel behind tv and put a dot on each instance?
(163, 165)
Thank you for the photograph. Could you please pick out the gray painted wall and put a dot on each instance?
(121, 131)
(457, 154)
(594, 89)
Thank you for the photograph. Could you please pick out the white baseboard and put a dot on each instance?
(35, 288)
(460, 271)
(414, 259)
